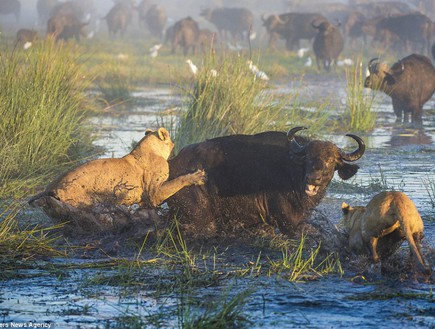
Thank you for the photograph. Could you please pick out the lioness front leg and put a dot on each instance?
(169, 188)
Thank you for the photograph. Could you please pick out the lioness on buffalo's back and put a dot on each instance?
(139, 177)
(388, 219)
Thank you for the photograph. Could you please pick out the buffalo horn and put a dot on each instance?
(358, 153)
(295, 146)
(371, 62)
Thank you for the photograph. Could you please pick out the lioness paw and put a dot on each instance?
(199, 177)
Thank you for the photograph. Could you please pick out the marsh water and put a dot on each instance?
(63, 293)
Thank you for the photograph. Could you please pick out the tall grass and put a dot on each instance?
(234, 102)
(42, 106)
(358, 114)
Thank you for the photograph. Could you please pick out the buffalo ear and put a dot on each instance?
(346, 170)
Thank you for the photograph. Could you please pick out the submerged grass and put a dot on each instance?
(18, 245)
(299, 265)
(225, 313)
(43, 108)
(358, 114)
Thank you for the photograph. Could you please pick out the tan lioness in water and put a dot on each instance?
(385, 213)
(139, 177)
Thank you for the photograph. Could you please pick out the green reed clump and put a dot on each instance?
(43, 107)
(233, 101)
(115, 83)
(298, 265)
(358, 114)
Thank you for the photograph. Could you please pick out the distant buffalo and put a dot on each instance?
(118, 18)
(292, 27)
(65, 26)
(155, 19)
(327, 44)
(410, 83)
(184, 33)
(413, 30)
(235, 21)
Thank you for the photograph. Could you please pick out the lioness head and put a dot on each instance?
(351, 215)
(158, 142)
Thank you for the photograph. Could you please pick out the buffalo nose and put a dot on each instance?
(315, 178)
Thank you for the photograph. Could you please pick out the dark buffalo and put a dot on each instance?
(410, 83)
(383, 8)
(118, 18)
(414, 30)
(155, 19)
(10, 7)
(352, 27)
(271, 177)
(327, 44)
(83, 9)
(292, 27)
(433, 51)
(65, 26)
(183, 33)
(235, 21)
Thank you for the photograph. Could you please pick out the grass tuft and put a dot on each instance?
(358, 114)
(234, 102)
(298, 265)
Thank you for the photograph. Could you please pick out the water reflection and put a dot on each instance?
(404, 136)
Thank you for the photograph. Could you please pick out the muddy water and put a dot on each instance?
(395, 159)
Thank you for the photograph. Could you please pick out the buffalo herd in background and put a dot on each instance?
(387, 25)
(391, 27)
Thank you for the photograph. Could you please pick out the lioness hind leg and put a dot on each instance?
(418, 236)
(374, 240)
